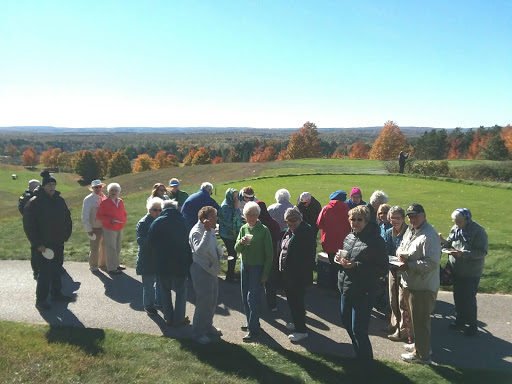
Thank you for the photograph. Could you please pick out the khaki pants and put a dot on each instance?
(422, 303)
(400, 312)
(97, 252)
(113, 248)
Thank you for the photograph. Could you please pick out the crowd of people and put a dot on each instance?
(366, 243)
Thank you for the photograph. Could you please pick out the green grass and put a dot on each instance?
(50, 354)
(439, 197)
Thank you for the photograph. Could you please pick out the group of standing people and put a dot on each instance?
(177, 238)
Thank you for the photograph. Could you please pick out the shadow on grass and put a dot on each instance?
(88, 340)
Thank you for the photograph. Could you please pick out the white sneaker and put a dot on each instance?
(297, 336)
(411, 348)
(413, 359)
(202, 339)
(290, 326)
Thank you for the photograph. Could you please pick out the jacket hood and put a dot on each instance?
(170, 212)
(39, 191)
(229, 201)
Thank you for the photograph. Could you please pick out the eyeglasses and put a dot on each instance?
(356, 219)
(97, 186)
(294, 220)
(156, 209)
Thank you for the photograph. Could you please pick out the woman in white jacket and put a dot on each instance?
(93, 226)
(204, 270)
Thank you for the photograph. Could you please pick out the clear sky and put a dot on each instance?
(265, 64)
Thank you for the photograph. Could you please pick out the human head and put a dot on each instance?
(154, 206)
(48, 183)
(174, 185)
(159, 190)
(251, 213)
(231, 195)
(208, 216)
(305, 197)
(113, 190)
(208, 187)
(359, 217)
(282, 196)
(377, 198)
(293, 218)
(33, 184)
(338, 195)
(356, 195)
(461, 217)
(382, 213)
(172, 204)
(396, 216)
(248, 194)
(97, 186)
(416, 215)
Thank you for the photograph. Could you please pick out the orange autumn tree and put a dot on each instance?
(261, 155)
(187, 160)
(143, 163)
(389, 144)
(217, 160)
(480, 140)
(202, 156)
(304, 143)
(29, 157)
(506, 135)
(359, 150)
(162, 160)
(49, 158)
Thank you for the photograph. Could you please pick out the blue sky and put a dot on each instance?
(265, 64)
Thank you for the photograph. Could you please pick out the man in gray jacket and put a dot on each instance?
(420, 251)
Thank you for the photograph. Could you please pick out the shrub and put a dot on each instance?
(499, 171)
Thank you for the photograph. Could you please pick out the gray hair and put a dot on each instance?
(169, 204)
(282, 195)
(292, 213)
(113, 186)
(457, 215)
(207, 186)
(152, 202)
(398, 209)
(252, 208)
(379, 197)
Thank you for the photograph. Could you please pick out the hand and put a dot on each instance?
(264, 279)
(345, 263)
(337, 259)
(41, 248)
(403, 267)
(455, 253)
(207, 224)
(244, 241)
(441, 238)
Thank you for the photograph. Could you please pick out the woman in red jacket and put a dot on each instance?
(113, 216)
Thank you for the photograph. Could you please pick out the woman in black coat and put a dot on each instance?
(296, 262)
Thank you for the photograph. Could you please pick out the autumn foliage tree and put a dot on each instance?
(233, 156)
(480, 140)
(29, 157)
(102, 157)
(11, 151)
(143, 163)
(304, 143)
(359, 150)
(64, 162)
(389, 143)
(202, 156)
(261, 155)
(506, 135)
(49, 158)
(162, 160)
(187, 160)
(84, 163)
(119, 164)
(217, 160)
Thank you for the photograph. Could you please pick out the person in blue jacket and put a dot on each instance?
(195, 202)
(230, 221)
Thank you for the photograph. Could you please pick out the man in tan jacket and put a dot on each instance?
(93, 226)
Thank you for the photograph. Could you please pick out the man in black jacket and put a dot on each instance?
(47, 224)
(22, 201)
(310, 209)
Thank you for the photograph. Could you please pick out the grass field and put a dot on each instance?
(439, 198)
(55, 354)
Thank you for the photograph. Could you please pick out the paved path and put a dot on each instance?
(116, 302)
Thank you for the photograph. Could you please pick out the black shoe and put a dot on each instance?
(43, 305)
(455, 326)
(151, 311)
(250, 336)
(63, 298)
(115, 272)
(244, 328)
(35, 274)
(470, 331)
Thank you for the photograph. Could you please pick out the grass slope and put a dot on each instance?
(50, 354)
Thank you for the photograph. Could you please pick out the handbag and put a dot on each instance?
(446, 275)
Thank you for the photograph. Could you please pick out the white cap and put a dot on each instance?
(305, 196)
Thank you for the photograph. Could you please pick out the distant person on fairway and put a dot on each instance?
(402, 156)
(22, 201)
(93, 226)
(278, 209)
(467, 246)
(47, 224)
(196, 201)
(175, 193)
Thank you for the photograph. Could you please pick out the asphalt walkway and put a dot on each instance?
(115, 302)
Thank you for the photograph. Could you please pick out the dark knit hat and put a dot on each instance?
(47, 178)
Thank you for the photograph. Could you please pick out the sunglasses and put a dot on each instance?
(356, 219)
(292, 220)
(97, 186)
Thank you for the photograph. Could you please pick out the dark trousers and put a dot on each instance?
(355, 315)
(402, 167)
(295, 289)
(271, 286)
(464, 296)
(49, 273)
(230, 248)
(33, 260)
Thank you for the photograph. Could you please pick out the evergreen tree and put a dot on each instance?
(119, 164)
(84, 163)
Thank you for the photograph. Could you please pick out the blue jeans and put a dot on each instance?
(151, 290)
(252, 288)
(179, 285)
(355, 315)
(464, 296)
